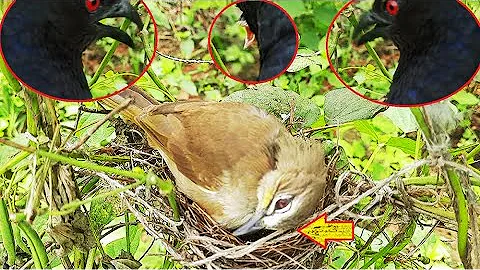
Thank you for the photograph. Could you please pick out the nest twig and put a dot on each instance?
(197, 241)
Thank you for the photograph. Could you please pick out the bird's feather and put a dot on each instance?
(439, 44)
(275, 34)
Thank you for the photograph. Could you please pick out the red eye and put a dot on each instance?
(392, 7)
(92, 5)
(282, 203)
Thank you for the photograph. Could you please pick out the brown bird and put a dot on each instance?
(236, 161)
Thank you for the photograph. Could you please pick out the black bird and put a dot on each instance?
(439, 44)
(43, 40)
(275, 35)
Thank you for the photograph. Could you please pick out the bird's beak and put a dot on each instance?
(364, 31)
(252, 225)
(249, 36)
(121, 8)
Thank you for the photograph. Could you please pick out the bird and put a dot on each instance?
(42, 41)
(236, 161)
(274, 32)
(439, 45)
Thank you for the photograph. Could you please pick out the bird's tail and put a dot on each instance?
(136, 98)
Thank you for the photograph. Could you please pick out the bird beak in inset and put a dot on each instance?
(121, 8)
(364, 31)
(252, 225)
(249, 36)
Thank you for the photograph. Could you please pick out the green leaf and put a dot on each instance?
(364, 126)
(107, 84)
(279, 103)
(407, 145)
(402, 118)
(343, 106)
(7, 152)
(104, 133)
(294, 8)
(101, 213)
(466, 98)
(114, 248)
(301, 62)
(187, 47)
(189, 87)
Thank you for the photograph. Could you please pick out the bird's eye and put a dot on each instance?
(392, 7)
(92, 5)
(282, 205)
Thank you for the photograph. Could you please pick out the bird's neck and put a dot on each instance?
(64, 63)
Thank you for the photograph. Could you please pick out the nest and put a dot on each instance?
(197, 241)
(205, 244)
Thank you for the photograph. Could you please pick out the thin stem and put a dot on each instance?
(74, 162)
(218, 58)
(372, 52)
(109, 55)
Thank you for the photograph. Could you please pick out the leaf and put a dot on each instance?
(294, 8)
(444, 117)
(107, 84)
(279, 102)
(101, 213)
(300, 63)
(364, 126)
(3, 123)
(466, 98)
(407, 145)
(343, 106)
(330, 149)
(7, 152)
(114, 248)
(360, 77)
(189, 87)
(104, 133)
(402, 118)
(187, 47)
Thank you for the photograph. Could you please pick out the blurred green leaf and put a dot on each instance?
(343, 106)
(405, 144)
(279, 103)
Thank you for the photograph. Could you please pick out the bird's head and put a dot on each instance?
(290, 193)
(403, 21)
(82, 18)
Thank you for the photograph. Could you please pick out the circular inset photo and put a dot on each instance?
(403, 52)
(78, 50)
(253, 41)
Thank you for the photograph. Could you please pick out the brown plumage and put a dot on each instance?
(236, 161)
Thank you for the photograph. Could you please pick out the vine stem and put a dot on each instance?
(74, 162)
(460, 200)
(218, 58)
(372, 52)
(109, 55)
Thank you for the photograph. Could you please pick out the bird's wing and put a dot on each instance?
(208, 140)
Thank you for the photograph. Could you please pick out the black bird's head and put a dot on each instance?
(439, 44)
(406, 22)
(43, 41)
(80, 19)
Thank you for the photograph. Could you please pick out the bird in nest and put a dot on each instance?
(274, 33)
(439, 44)
(234, 160)
(42, 41)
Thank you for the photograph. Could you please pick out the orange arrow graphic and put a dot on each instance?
(321, 231)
